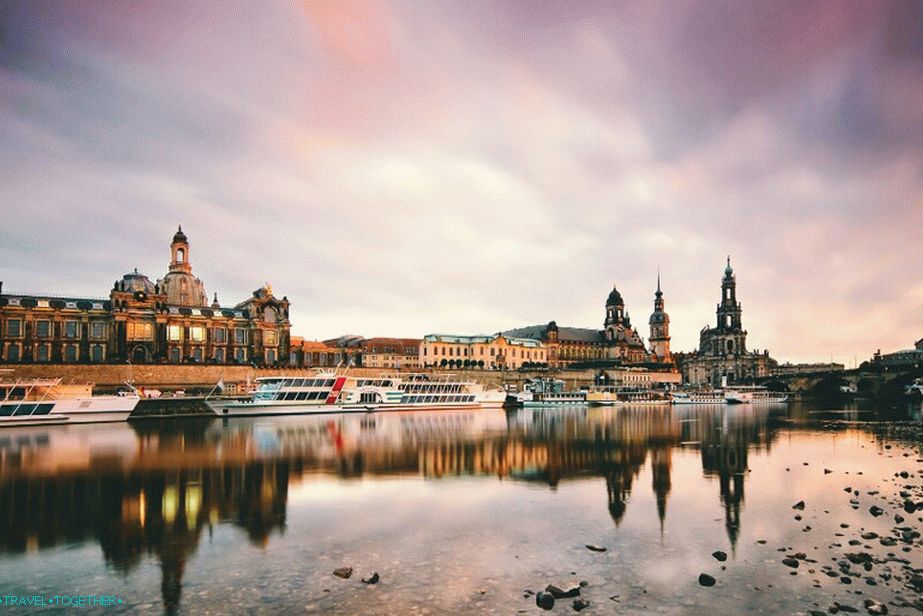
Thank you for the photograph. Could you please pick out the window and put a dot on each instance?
(70, 351)
(97, 330)
(12, 353)
(70, 329)
(174, 355)
(197, 333)
(43, 329)
(96, 353)
(14, 328)
(140, 331)
(270, 338)
(240, 355)
(197, 354)
(219, 356)
(271, 356)
(41, 352)
(220, 335)
(175, 334)
(240, 336)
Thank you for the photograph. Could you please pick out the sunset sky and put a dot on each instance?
(398, 169)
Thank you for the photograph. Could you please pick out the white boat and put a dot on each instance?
(38, 402)
(915, 389)
(611, 395)
(332, 392)
(753, 394)
(543, 392)
(702, 396)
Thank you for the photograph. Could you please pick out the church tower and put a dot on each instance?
(615, 314)
(731, 336)
(179, 285)
(660, 328)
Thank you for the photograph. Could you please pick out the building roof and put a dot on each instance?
(310, 346)
(565, 334)
(402, 346)
(482, 339)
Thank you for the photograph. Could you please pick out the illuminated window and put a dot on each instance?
(270, 338)
(140, 331)
(197, 333)
(174, 333)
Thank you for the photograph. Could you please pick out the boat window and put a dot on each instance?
(6, 410)
(24, 409)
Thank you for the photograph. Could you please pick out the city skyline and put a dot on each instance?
(402, 170)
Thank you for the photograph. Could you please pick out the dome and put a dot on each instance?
(659, 318)
(728, 271)
(184, 289)
(615, 298)
(179, 236)
(134, 282)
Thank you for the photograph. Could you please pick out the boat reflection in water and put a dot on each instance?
(151, 490)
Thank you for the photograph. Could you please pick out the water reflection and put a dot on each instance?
(153, 490)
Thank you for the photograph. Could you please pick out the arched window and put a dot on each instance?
(181, 255)
(730, 346)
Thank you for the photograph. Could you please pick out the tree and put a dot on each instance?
(481, 364)
(444, 362)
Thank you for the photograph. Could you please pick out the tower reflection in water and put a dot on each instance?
(152, 490)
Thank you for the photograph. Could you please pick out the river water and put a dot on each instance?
(469, 512)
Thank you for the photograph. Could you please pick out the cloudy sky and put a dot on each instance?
(415, 167)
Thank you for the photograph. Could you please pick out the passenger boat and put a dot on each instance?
(332, 392)
(701, 396)
(610, 395)
(542, 392)
(47, 401)
(753, 394)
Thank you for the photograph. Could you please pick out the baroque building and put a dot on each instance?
(722, 349)
(618, 342)
(495, 352)
(660, 328)
(168, 321)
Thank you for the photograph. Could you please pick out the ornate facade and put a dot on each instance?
(722, 349)
(169, 321)
(618, 341)
(496, 352)
(660, 329)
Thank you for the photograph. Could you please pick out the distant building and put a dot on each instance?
(617, 342)
(495, 352)
(313, 354)
(792, 369)
(396, 353)
(909, 358)
(170, 321)
(723, 350)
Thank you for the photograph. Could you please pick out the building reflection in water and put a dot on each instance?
(152, 490)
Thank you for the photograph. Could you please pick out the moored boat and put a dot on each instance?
(38, 402)
(543, 392)
(699, 396)
(753, 394)
(610, 395)
(333, 392)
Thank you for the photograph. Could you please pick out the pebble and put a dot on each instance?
(544, 600)
(343, 572)
(706, 580)
(720, 556)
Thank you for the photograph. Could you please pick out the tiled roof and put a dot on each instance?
(565, 334)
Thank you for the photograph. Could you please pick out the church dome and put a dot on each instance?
(659, 318)
(134, 282)
(184, 289)
(179, 236)
(615, 298)
(728, 271)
